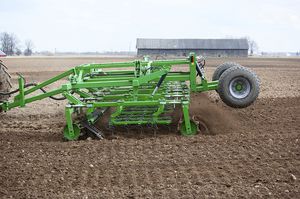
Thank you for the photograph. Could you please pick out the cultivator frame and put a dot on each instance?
(142, 95)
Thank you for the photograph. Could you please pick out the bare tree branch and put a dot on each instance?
(28, 48)
(9, 43)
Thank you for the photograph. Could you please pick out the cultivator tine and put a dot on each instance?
(127, 128)
(169, 128)
(155, 128)
(149, 127)
(141, 130)
(111, 128)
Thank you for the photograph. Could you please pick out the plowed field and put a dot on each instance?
(250, 153)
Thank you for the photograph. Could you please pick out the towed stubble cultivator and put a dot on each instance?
(141, 92)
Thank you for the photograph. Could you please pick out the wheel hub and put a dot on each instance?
(239, 87)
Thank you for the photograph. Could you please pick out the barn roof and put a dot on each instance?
(2, 53)
(143, 43)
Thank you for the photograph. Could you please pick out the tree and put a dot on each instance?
(18, 51)
(28, 48)
(9, 43)
(252, 45)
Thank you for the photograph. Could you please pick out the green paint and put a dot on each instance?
(72, 135)
(239, 87)
(193, 129)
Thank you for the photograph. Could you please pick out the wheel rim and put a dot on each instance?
(239, 87)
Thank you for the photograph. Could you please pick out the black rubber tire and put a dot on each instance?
(224, 87)
(5, 84)
(222, 68)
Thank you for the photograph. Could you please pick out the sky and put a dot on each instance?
(114, 25)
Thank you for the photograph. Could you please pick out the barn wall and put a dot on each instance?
(185, 52)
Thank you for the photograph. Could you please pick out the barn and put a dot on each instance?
(182, 47)
(2, 54)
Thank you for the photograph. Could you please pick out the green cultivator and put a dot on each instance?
(138, 92)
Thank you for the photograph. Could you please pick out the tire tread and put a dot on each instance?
(222, 68)
(5, 80)
(240, 103)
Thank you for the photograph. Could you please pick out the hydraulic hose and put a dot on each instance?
(17, 90)
(30, 85)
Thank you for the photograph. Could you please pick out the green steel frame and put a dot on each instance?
(133, 88)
